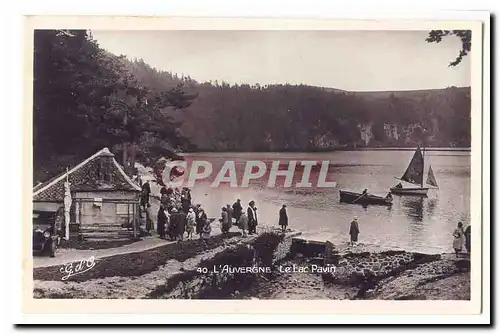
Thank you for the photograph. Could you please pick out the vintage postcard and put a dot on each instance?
(254, 166)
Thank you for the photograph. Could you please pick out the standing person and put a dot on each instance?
(237, 209)
(196, 209)
(206, 230)
(191, 221)
(467, 239)
(243, 224)
(200, 220)
(354, 231)
(146, 191)
(160, 225)
(283, 221)
(458, 238)
(252, 218)
(224, 220)
(149, 221)
(181, 227)
(174, 224)
(229, 214)
(186, 203)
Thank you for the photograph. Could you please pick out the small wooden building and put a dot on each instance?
(104, 200)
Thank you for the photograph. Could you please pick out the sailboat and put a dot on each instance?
(414, 174)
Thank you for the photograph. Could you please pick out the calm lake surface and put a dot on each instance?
(412, 223)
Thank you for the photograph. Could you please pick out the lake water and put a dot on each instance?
(411, 223)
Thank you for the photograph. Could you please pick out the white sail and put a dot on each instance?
(431, 179)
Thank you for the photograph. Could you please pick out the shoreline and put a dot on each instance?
(172, 271)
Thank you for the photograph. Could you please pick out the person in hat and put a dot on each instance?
(230, 214)
(237, 209)
(174, 224)
(225, 224)
(458, 238)
(243, 224)
(181, 227)
(252, 218)
(149, 221)
(145, 192)
(354, 230)
(191, 222)
(206, 230)
(162, 220)
(283, 218)
(200, 220)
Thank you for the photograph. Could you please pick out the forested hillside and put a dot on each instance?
(86, 98)
(286, 117)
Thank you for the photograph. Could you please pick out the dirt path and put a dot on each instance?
(64, 256)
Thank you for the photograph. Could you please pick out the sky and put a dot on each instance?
(347, 60)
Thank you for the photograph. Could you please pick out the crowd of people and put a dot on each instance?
(177, 216)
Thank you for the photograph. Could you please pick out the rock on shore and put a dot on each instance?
(396, 274)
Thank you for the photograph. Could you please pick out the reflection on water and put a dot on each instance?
(413, 207)
(431, 205)
(420, 223)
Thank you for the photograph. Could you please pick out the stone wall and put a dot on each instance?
(213, 278)
(351, 267)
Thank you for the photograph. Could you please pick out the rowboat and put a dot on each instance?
(414, 175)
(364, 199)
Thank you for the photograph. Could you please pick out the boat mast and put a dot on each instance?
(423, 167)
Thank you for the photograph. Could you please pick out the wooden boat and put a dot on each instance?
(414, 175)
(364, 199)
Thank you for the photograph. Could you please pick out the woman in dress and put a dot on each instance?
(224, 221)
(354, 231)
(283, 220)
(191, 221)
(458, 238)
(200, 220)
(162, 220)
(206, 230)
(252, 218)
(243, 223)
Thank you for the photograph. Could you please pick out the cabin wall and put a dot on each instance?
(105, 214)
(106, 208)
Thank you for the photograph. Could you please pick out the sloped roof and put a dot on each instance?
(83, 177)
